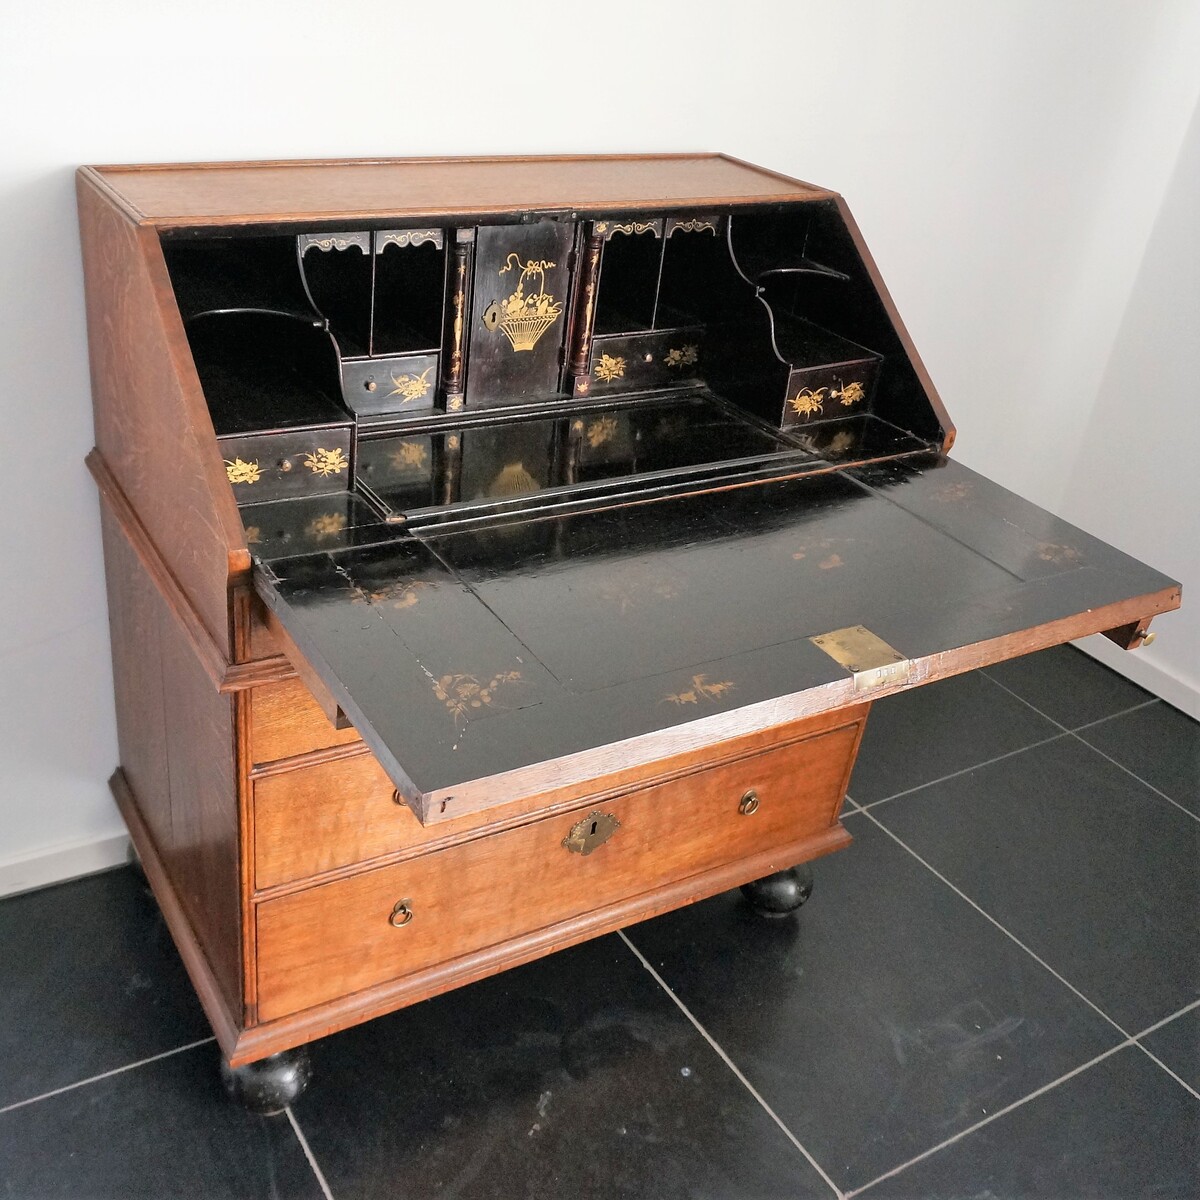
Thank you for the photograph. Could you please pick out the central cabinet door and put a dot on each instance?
(520, 312)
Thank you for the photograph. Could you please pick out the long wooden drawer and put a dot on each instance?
(341, 937)
(285, 721)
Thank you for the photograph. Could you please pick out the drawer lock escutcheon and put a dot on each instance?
(402, 914)
(594, 830)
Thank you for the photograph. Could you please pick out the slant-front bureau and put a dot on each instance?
(501, 551)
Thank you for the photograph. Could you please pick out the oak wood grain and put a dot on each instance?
(211, 194)
(152, 423)
(287, 721)
(269, 1037)
(327, 819)
(337, 938)
(223, 1016)
(203, 861)
(134, 613)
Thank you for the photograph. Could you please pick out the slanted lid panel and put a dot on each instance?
(486, 665)
(220, 193)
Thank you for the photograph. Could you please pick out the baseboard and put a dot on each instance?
(60, 863)
(1139, 667)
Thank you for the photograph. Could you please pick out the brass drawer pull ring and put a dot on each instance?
(749, 804)
(401, 914)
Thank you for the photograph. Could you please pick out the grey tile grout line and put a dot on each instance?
(683, 1008)
(1041, 1091)
(1037, 958)
(1183, 1083)
(1123, 712)
(963, 771)
(1001, 1112)
(988, 917)
(1128, 1040)
(1063, 732)
(1095, 749)
(312, 1159)
(70, 1087)
(1187, 1008)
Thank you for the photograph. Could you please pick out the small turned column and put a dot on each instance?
(585, 312)
(454, 353)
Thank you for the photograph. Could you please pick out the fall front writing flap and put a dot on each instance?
(486, 664)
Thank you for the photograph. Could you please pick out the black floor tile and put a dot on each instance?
(1091, 870)
(932, 731)
(1121, 1130)
(1160, 745)
(1068, 686)
(575, 1076)
(89, 981)
(884, 1017)
(163, 1129)
(1178, 1045)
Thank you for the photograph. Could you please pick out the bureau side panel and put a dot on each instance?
(153, 429)
(177, 745)
(134, 615)
(203, 862)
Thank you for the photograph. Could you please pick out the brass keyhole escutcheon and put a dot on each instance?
(749, 804)
(594, 830)
(491, 316)
(402, 914)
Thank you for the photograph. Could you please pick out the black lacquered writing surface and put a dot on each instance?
(480, 652)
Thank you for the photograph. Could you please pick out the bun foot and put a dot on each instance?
(779, 894)
(269, 1085)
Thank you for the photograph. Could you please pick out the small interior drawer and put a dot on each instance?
(285, 720)
(355, 932)
(292, 462)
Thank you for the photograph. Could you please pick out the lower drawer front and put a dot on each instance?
(341, 937)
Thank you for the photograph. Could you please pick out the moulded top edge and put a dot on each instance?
(236, 193)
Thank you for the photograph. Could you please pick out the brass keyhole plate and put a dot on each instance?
(594, 830)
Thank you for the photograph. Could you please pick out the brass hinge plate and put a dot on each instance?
(871, 661)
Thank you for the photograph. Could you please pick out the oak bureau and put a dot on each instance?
(501, 551)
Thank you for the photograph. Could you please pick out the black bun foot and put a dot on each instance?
(269, 1085)
(779, 894)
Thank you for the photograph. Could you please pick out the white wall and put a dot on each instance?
(1135, 480)
(1007, 162)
